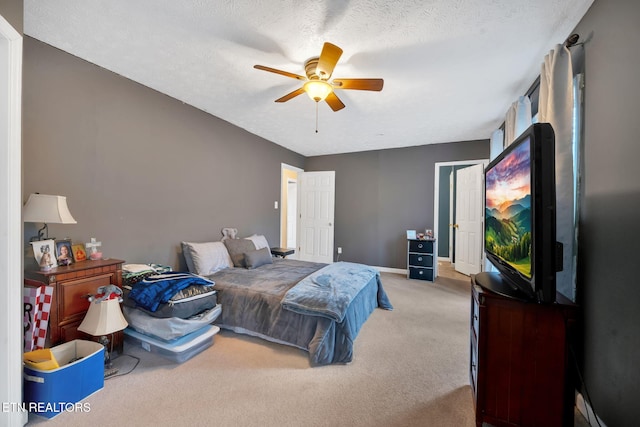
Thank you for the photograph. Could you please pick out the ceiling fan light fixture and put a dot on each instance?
(318, 90)
(318, 71)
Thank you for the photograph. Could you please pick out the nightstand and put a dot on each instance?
(72, 285)
(282, 252)
(421, 260)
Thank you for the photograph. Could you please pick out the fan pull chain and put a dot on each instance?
(317, 116)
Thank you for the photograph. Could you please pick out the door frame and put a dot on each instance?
(436, 194)
(11, 248)
(283, 202)
(292, 187)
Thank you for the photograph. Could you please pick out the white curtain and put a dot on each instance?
(556, 107)
(518, 119)
(496, 146)
(497, 143)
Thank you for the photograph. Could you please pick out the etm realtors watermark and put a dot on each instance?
(36, 407)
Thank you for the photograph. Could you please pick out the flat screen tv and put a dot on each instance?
(520, 216)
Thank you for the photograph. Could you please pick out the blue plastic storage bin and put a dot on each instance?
(178, 350)
(81, 373)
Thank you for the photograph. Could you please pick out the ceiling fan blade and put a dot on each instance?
(334, 102)
(328, 59)
(358, 84)
(284, 73)
(290, 95)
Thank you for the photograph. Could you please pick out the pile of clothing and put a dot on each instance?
(165, 304)
(134, 273)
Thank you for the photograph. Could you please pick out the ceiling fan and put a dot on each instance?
(317, 85)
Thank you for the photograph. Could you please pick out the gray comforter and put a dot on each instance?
(253, 302)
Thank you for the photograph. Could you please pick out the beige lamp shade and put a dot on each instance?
(103, 318)
(46, 208)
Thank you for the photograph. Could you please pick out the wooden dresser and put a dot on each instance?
(520, 366)
(72, 285)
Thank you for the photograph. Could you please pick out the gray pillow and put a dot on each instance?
(206, 258)
(186, 251)
(237, 248)
(255, 259)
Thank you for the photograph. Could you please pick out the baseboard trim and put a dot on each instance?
(391, 270)
(587, 412)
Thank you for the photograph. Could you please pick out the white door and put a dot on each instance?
(469, 217)
(316, 203)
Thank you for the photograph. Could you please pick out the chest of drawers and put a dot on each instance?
(519, 369)
(72, 285)
(421, 260)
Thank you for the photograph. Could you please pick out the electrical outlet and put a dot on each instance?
(275, 204)
(339, 250)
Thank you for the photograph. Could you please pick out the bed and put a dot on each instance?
(319, 308)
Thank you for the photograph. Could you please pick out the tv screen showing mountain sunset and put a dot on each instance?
(508, 209)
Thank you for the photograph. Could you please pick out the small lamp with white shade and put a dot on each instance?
(47, 209)
(103, 318)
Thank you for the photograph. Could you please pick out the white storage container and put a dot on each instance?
(178, 350)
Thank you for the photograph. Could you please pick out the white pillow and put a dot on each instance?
(259, 240)
(206, 258)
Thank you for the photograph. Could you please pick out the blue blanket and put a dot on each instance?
(329, 291)
(158, 289)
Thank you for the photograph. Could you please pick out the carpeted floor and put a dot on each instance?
(410, 369)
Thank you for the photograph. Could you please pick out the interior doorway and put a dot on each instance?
(316, 215)
(469, 219)
(288, 206)
(445, 205)
(307, 202)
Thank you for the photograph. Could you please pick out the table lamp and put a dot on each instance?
(49, 209)
(103, 318)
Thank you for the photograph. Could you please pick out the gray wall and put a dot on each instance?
(12, 11)
(141, 171)
(608, 286)
(381, 194)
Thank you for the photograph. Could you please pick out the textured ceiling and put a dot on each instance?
(451, 68)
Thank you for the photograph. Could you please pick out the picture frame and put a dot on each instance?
(411, 234)
(44, 252)
(79, 253)
(64, 253)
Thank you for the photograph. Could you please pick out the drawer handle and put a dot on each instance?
(421, 272)
(420, 245)
(419, 258)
